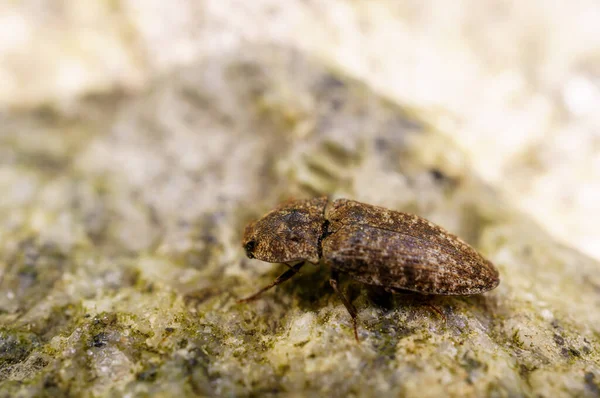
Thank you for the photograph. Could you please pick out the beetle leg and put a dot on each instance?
(282, 278)
(437, 310)
(333, 281)
(293, 264)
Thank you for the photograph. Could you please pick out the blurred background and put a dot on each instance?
(516, 85)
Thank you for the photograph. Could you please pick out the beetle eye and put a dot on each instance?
(249, 247)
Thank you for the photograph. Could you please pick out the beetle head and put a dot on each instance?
(289, 233)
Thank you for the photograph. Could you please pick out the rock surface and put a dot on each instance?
(120, 226)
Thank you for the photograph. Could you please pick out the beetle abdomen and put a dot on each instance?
(387, 248)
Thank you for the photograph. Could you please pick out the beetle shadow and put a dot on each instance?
(310, 289)
(386, 300)
(480, 305)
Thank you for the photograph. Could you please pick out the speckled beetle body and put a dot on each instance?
(370, 244)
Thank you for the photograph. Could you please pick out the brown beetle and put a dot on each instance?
(373, 245)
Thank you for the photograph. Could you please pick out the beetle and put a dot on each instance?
(373, 245)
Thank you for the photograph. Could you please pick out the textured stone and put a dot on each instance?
(120, 242)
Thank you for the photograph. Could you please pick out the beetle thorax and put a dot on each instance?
(292, 232)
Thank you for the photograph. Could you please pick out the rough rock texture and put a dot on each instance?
(120, 226)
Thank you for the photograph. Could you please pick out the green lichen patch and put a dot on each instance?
(15, 346)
